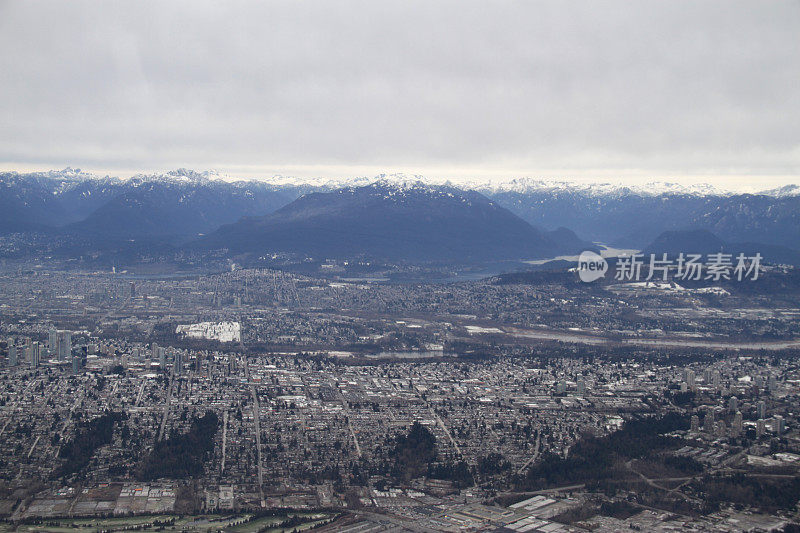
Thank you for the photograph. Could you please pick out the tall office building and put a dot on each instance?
(689, 377)
(76, 364)
(778, 425)
(64, 345)
(581, 387)
(695, 427)
(13, 352)
(733, 403)
(35, 354)
(708, 422)
(178, 363)
(761, 410)
(52, 341)
(162, 358)
(737, 426)
(154, 351)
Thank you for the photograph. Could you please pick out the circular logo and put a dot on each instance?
(591, 266)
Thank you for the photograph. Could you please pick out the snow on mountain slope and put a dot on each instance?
(69, 177)
(529, 185)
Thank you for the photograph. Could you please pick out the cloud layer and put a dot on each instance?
(528, 87)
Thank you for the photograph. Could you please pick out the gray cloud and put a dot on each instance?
(664, 87)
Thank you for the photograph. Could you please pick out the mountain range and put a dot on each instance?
(704, 242)
(631, 219)
(399, 222)
(178, 205)
(181, 206)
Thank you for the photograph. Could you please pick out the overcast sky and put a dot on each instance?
(688, 90)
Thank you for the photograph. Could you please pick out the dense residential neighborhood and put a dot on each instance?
(256, 389)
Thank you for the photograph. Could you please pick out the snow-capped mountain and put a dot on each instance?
(186, 202)
(654, 188)
(391, 220)
(178, 203)
(180, 206)
(526, 185)
(786, 190)
(62, 180)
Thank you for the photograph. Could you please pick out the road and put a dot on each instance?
(33, 446)
(164, 419)
(346, 409)
(139, 396)
(535, 454)
(564, 488)
(257, 425)
(440, 422)
(446, 432)
(655, 485)
(224, 440)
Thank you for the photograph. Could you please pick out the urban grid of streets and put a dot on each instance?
(327, 374)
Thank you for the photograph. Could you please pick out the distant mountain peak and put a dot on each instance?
(65, 174)
(520, 185)
(403, 220)
(398, 182)
(653, 188)
(181, 175)
(786, 190)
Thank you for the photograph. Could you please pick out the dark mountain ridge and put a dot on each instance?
(178, 206)
(179, 209)
(411, 222)
(629, 218)
(704, 242)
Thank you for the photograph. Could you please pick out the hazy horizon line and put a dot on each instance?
(724, 181)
